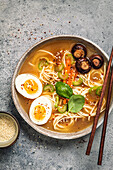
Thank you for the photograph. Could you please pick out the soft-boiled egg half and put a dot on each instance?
(28, 85)
(40, 110)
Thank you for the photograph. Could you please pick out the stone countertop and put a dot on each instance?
(23, 23)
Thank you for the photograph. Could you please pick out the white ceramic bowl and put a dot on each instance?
(25, 116)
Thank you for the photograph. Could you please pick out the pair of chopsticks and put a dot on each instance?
(98, 113)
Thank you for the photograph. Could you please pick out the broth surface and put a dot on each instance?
(55, 47)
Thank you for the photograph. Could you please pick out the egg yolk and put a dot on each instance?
(30, 86)
(39, 112)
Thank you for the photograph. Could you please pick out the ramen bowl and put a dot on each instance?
(44, 43)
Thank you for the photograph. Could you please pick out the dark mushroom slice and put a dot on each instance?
(96, 61)
(83, 65)
(79, 51)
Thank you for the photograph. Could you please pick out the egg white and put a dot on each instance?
(45, 102)
(20, 79)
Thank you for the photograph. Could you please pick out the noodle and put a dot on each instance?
(48, 76)
(48, 53)
(88, 110)
(87, 77)
(64, 57)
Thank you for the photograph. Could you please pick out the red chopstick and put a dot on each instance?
(99, 106)
(105, 120)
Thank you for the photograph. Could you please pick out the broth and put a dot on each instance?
(54, 47)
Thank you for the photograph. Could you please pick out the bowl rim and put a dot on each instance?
(18, 129)
(53, 134)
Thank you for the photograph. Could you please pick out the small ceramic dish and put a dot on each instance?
(22, 112)
(13, 139)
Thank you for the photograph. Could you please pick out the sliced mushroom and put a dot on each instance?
(83, 65)
(79, 51)
(96, 61)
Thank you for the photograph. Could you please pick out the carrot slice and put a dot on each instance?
(64, 101)
(67, 70)
(72, 75)
(70, 78)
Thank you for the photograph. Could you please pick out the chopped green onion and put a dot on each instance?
(99, 90)
(79, 82)
(93, 88)
(49, 87)
(42, 63)
(56, 101)
(62, 109)
(61, 76)
(71, 58)
(59, 67)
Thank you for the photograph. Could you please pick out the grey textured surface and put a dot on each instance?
(24, 22)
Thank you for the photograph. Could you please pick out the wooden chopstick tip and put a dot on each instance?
(112, 51)
(99, 106)
(99, 162)
(87, 153)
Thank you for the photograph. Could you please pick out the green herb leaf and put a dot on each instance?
(63, 89)
(76, 103)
